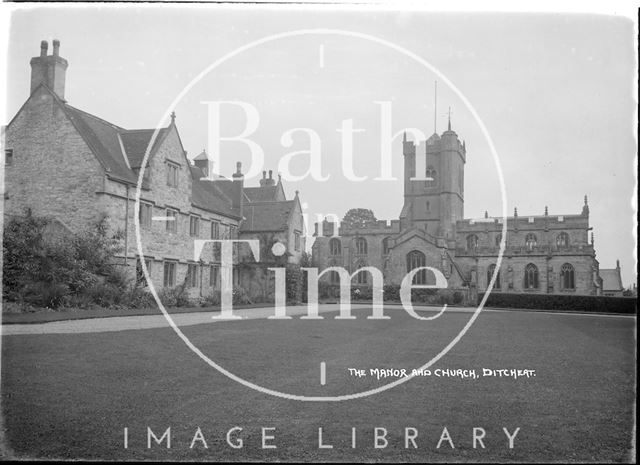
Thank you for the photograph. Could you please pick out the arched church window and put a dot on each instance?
(531, 276)
(385, 246)
(472, 242)
(562, 240)
(416, 259)
(490, 271)
(567, 276)
(530, 241)
(361, 246)
(335, 247)
(361, 277)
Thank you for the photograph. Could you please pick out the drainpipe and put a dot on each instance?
(126, 228)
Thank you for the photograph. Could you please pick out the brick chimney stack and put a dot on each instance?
(49, 69)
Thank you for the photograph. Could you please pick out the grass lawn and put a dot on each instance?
(70, 396)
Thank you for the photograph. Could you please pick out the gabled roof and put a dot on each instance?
(207, 195)
(261, 194)
(136, 141)
(267, 216)
(611, 280)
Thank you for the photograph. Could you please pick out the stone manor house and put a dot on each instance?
(75, 167)
(546, 253)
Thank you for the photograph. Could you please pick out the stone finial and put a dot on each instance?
(592, 241)
(486, 214)
(515, 211)
(239, 167)
(585, 208)
(618, 264)
(173, 117)
(546, 211)
(404, 137)
(297, 193)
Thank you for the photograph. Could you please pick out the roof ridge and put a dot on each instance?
(115, 126)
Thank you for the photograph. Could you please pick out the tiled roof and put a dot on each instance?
(201, 156)
(208, 196)
(611, 280)
(102, 138)
(135, 143)
(267, 216)
(261, 194)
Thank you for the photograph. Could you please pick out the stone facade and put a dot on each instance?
(74, 167)
(543, 254)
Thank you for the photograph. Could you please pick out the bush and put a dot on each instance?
(45, 267)
(240, 296)
(211, 300)
(585, 303)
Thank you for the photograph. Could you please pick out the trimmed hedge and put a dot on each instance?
(581, 303)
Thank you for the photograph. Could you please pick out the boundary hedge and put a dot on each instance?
(576, 303)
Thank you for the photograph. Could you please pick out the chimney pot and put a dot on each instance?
(270, 174)
(44, 45)
(264, 175)
(56, 47)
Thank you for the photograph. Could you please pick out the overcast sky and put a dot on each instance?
(555, 92)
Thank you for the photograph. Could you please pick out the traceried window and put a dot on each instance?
(172, 174)
(472, 242)
(531, 276)
(172, 221)
(361, 246)
(490, 271)
(416, 259)
(530, 241)
(567, 276)
(562, 240)
(361, 277)
(335, 247)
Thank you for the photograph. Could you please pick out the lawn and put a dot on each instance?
(71, 396)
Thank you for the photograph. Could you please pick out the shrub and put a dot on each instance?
(211, 300)
(240, 296)
(586, 303)
(458, 297)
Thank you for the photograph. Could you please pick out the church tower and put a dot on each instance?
(435, 203)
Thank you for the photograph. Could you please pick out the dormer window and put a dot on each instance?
(172, 174)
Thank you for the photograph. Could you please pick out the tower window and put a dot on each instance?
(531, 276)
(567, 277)
(8, 157)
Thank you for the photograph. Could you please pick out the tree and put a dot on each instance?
(358, 218)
